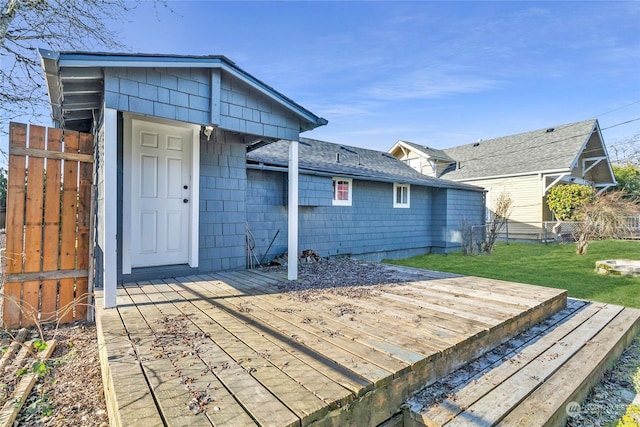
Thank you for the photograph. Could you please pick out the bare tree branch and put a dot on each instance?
(26, 25)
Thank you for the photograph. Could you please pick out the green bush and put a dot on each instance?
(564, 199)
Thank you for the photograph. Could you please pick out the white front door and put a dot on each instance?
(160, 192)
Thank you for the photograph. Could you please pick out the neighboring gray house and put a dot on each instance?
(525, 165)
(175, 190)
(355, 201)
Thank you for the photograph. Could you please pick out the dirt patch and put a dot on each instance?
(346, 277)
(71, 392)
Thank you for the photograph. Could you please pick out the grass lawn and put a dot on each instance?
(552, 265)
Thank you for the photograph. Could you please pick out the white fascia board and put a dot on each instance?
(545, 172)
(574, 163)
(403, 144)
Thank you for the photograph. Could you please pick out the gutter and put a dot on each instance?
(440, 184)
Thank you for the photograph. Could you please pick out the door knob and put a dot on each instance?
(185, 200)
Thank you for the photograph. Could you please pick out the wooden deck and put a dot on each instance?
(550, 366)
(231, 349)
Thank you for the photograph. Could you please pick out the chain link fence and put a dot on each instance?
(545, 232)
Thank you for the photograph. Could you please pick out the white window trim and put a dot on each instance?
(337, 202)
(401, 205)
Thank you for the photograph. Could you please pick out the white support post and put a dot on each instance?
(546, 188)
(110, 225)
(292, 271)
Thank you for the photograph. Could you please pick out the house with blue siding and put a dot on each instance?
(356, 202)
(192, 153)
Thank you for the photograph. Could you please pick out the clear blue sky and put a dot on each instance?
(435, 73)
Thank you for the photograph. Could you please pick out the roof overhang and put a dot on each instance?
(75, 81)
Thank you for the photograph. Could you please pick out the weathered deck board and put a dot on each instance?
(565, 360)
(269, 359)
(275, 382)
(575, 378)
(282, 356)
(371, 373)
(325, 328)
(474, 391)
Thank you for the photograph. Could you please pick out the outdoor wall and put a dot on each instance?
(525, 220)
(223, 192)
(185, 95)
(243, 109)
(451, 210)
(371, 228)
(170, 93)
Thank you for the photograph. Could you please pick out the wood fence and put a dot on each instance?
(48, 225)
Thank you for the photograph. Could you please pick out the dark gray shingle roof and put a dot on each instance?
(356, 162)
(546, 149)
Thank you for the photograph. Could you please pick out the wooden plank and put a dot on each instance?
(265, 345)
(336, 334)
(370, 371)
(164, 380)
(69, 204)
(84, 223)
(119, 365)
(218, 369)
(34, 204)
(303, 403)
(51, 244)
(396, 324)
(33, 227)
(12, 407)
(495, 405)
(47, 275)
(47, 154)
(15, 345)
(319, 322)
(573, 381)
(331, 368)
(481, 385)
(14, 226)
(68, 227)
(15, 201)
(478, 293)
(30, 301)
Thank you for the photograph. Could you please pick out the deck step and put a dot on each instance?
(535, 382)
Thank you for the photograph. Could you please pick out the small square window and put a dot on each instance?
(401, 196)
(342, 191)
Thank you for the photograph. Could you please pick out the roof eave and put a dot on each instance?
(53, 61)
